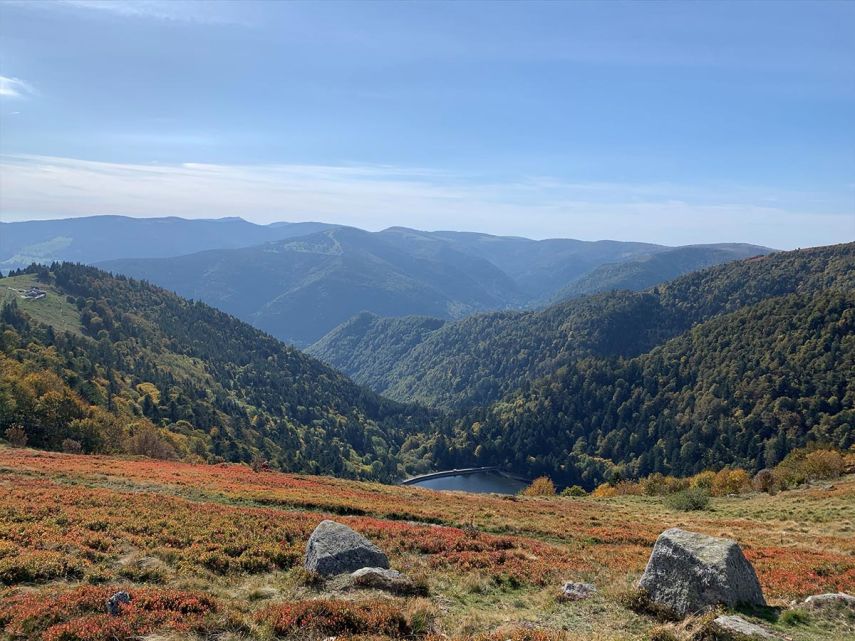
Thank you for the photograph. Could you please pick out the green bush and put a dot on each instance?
(695, 498)
(573, 490)
(794, 617)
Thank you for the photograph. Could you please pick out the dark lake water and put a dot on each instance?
(479, 482)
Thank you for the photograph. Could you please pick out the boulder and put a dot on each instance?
(577, 591)
(334, 549)
(688, 573)
(382, 579)
(114, 603)
(737, 628)
(832, 599)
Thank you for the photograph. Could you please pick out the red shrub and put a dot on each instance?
(334, 617)
(80, 614)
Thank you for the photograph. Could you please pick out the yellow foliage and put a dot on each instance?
(703, 480)
(148, 389)
(824, 464)
(604, 491)
(541, 486)
(731, 482)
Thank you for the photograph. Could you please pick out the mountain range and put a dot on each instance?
(302, 287)
(92, 239)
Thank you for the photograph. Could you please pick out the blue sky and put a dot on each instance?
(664, 122)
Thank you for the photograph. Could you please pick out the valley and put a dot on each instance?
(597, 388)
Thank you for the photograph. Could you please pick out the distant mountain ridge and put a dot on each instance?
(92, 239)
(641, 272)
(302, 287)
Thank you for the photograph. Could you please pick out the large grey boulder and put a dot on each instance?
(334, 548)
(689, 573)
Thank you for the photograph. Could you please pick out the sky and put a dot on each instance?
(673, 123)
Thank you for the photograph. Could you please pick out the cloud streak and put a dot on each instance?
(14, 87)
(167, 10)
(375, 197)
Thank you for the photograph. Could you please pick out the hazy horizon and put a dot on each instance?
(292, 222)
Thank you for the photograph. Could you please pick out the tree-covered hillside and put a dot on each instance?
(743, 388)
(113, 364)
(300, 289)
(478, 360)
(736, 364)
(651, 269)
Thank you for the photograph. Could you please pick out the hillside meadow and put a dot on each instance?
(214, 551)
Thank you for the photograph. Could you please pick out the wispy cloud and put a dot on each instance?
(374, 197)
(14, 87)
(169, 10)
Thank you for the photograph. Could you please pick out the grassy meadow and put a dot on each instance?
(214, 551)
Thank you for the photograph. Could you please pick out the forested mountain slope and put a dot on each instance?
(365, 348)
(648, 270)
(97, 238)
(119, 365)
(302, 288)
(479, 359)
(743, 388)
(736, 364)
(539, 268)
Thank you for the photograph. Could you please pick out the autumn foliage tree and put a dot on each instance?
(541, 486)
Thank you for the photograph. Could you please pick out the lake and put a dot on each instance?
(477, 482)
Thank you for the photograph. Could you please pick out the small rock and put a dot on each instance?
(737, 628)
(334, 549)
(114, 603)
(831, 599)
(382, 579)
(688, 573)
(577, 591)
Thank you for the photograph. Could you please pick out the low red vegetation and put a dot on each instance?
(794, 573)
(57, 520)
(80, 614)
(333, 617)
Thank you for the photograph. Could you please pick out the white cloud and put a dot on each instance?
(375, 197)
(14, 87)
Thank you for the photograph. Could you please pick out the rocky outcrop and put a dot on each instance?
(727, 628)
(114, 603)
(689, 573)
(382, 579)
(334, 549)
(830, 600)
(577, 591)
